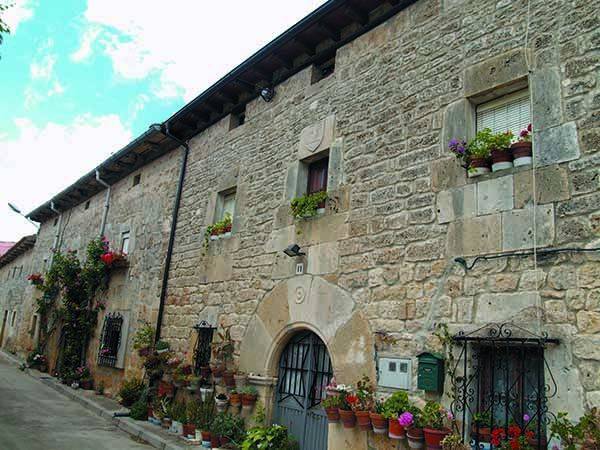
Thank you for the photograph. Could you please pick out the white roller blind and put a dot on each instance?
(511, 112)
(229, 204)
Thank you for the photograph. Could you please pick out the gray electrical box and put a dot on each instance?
(395, 373)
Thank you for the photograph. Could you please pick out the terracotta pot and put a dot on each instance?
(501, 159)
(415, 437)
(189, 429)
(224, 440)
(165, 389)
(248, 399)
(379, 423)
(484, 433)
(43, 368)
(396, 430)
(235, 399)
(363, 419)
(478, 166)
(229, 380)
(205, 436)
(214, 441)
(205, 372)
(88, 385)
(348, 418)
(434, 437)
(150, 412)
(333, 415)
(522, 153)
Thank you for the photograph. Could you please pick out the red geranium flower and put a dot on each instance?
(352, 399)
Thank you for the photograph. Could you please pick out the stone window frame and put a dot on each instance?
(228, 182)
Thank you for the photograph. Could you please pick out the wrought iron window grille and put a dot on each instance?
(202, 352)
(501, 378)
(110, 340)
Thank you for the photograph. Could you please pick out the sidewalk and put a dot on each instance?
(107, 408)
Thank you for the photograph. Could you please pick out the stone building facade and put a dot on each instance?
(381, 259)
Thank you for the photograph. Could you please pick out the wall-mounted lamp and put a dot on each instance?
(293, 251)
(267, 94)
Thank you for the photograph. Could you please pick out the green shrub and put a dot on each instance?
(144, 337)
(395, 405)
(229, 426)
(131, 391)
(307, 205)
(274, 437)
(139, 410)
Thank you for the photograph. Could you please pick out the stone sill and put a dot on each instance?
(499, 174)
(259, 380)
(227, 235)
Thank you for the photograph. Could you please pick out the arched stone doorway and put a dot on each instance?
(304, 370)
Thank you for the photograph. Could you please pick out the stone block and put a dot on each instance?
(459, 122)
(457, 203)
(280, 239)
(557, 144)
(446, 173)
(552, 184)
(323, 258)
(545, 98)
(562, 278)
(326, 228)
(531, 280)
(590, 375)
(496, 72)
(587, 347)
(588, 322)
(495, 195)
(556, 311)
(335, 172)
(504, 307)
(474, 236)
(517, 228)
(317, 137)
(589, 275)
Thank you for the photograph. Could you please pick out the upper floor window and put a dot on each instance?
(317, 176)
(510, 112)
(125, 242)
(226, 204)
(136, 179)
(323, 70)
(237, 118)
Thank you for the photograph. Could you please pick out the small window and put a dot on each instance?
(33, 328)
(317, 176)
(202, 351)
(237, 119)
(136, 179)
(125, 242)
(87, 205)
(510, 112)
(323, 70)
(226, 204)
(110, 340)
(55, 222)
(14, 318)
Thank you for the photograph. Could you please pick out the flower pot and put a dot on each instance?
(484, 433)
(380, 424)
(333, 415)
(522, 153)
(229, 380)
(235, 400)
(348, 418)
(478, 167)
(396, 431)
(205, 392)
(248, 400)
(205, 372)
(75, 385)
(415, 437)
(176, 427)
(88, 385)
(43, 368)
(167, 422)
(189, 430)
(162, 350)
(205, 436)
(224, 440)
(363, 419)
(192, 387)
(240, 381)
(501, 159)
(221, 405)
(214, 442)
(150, 413)
(165, 389)
(434, 437)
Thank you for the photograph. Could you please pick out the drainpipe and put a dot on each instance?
(57, 235)
(165, 281)
(106, 201)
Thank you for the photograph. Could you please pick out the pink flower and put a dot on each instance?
(406, 419)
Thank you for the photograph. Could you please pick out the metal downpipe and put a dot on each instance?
(56, 243)
(106, 202)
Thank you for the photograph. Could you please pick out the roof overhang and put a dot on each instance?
(18, 249)
(314, 39)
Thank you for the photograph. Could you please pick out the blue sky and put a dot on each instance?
(81, 78)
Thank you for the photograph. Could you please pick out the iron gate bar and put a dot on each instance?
(511, 389)
(110, 340)
(202, 352)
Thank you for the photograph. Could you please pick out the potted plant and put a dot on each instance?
(162, 347)
(365, 403)
(411, 421)
(202, 416)
(331, 405)
(584, 434)
(346, 412)
(228, 377)
(249, 396)
(502, 157)
(178, 417)
(221, 402)
(205, 372)
(131, 390)
(308, 205)
(240, 380)
(99, 388)
(392, 407)
(192, 382)
(191, 416)
(380, 423)
(478, 151)
(217, 373)
(521, 150)
(235, 398)
(143, 339)
(228, 429)
(206, 389)
(274, 437)
(435, 423)
(222, 228)
(165, 389)
(481, 426)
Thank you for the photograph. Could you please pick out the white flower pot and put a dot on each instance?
(523, 161)
(213, 237)
(501, 166)
(477, 172)
(204, 392)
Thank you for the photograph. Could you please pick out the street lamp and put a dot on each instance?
(18, 211)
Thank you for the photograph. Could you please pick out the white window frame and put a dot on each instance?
(125, 241)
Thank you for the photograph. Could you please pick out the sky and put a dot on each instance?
(79, 79)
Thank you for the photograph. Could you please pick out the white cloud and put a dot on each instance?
(187, 44)
(40, 161)
(85, 48)
(43, 67)
(56, 89)
(20, 11)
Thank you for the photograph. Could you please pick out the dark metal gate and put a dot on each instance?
(500, 378)
(304, 371)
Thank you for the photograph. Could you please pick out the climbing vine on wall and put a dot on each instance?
(76, 284)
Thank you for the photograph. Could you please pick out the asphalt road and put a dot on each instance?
(35, 417)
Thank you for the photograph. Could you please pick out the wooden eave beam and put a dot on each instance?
(357, 14)
(283, 61)
(329, 31)
(306, 47)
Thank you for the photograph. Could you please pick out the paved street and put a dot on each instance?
(35, 417)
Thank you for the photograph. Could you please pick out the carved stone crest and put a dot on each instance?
(300, 294)
(311, 137)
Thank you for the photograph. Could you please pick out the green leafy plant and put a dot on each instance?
(162, 345)
(201, 413)
(395, 404)
(178, 411)
(584, 434)
(248, 390)
(482, 419)
(501, 141)
(222, 350)
(334, 401)
(454, 442)
(144, 336)
(434, 416)
(139, 410)
(131, 391)
(274, 437)
(218, 228)
(307, 205)
(480, 145)
(229, 426)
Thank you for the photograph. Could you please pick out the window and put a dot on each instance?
(323, 70)
(33, 328)
(14, 318)
(237, 119)
(317, 176)
(87, 205)
(125, 242)
(511, 112)
(110, 340)
(136, 179)
(202, 351)
(226, 204)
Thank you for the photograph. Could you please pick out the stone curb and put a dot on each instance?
(125, 424)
